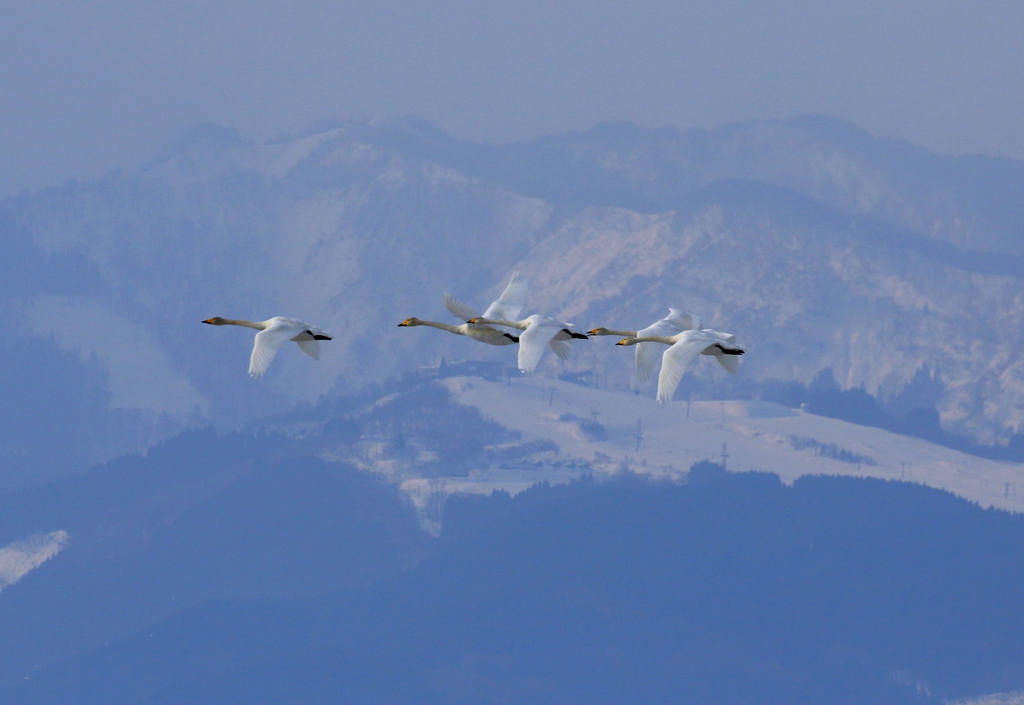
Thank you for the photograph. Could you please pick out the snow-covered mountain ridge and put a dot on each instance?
(580, 430)
(817, 244)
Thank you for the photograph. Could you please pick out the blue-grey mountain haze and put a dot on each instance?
(202, 537)
(92, 86)
(822, 246)
(233, 568)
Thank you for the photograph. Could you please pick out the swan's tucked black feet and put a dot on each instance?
(513, 338)
(728, 351)
(321, 337)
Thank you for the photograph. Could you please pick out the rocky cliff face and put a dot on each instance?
(817, 244)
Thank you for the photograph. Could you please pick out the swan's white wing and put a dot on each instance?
(310, 347)
(664, 327)
(647, 354)
(266, 345)
(719, 335)
(645, 358)
(682, 319)
(674, 362)
(532, 342)
(308, 343)
(731, 363)
(560, 348)
(460, 310)
(510, 303)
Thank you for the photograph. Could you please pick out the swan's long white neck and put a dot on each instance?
(258, 325)
(520, 325)
(650, 339)
(443, 326)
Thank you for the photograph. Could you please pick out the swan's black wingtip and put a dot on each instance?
(322, 337)
(580, 336)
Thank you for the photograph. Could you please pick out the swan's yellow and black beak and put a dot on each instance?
(473, 320)
(209, 320)
(404, 323)
(593, 332)
(622, 342)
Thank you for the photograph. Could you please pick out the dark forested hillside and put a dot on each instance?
(200, 517)
(730, 589)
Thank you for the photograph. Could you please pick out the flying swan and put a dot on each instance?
(538, 331)
(684, 349)
(647, 353)
(273, 334)
(508, 305)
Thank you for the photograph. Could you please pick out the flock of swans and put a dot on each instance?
(681, 332)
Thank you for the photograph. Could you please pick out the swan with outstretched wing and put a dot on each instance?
(272, 336)
(646, 356)
(539, 332)
(507, 305)
(683, 349)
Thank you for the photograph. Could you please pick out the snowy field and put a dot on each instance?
(603, 432)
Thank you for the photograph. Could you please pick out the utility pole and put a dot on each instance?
(639, 434)
(551, 396)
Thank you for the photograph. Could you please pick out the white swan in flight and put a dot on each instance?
(508, 305)
(646, 356)
(684, 349)
(273, 334)
(538, 331)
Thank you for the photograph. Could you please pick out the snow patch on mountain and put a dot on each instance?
(140, 372)
(21, 557)
(638, 434)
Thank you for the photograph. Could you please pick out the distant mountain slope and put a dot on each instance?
(605, 432)
(730, 589)
(818, 244)
(200, 518)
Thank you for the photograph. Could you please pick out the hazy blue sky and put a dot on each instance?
(87, 86)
